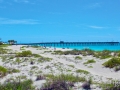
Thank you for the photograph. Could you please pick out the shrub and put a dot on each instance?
(25, 85)
(24, 54)
(3, 51)
(18, 60)
(105, 54)
(61, 82)
(112, 62)
(14, 71)
(36, 55)
(117, 68)
(3, 71)
(44, 59)
(90, 61)
(82, 71)
(113, 85)
(57, 85)
(71, 66)
(66, 77)
(11, 57)
(58, 52)
(78, 58)
(34, 67)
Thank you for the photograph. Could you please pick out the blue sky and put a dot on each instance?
(55, 20)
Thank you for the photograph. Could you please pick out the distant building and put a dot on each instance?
(61, 41)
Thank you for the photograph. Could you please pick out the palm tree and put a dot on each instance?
(12, 42)
(0, 42)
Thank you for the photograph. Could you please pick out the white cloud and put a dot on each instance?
(22, 21)
(97, 27)
(94, 5)
(19, 1)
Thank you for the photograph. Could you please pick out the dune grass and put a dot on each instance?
(24, 85)
(82, 71)
(78, 58)
(90, 61)
(112, 63)
(3, 71)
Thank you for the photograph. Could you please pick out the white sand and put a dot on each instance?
(98, 72)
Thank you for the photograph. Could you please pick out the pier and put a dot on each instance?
(72, 43)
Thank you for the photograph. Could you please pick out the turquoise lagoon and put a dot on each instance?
(93, 47)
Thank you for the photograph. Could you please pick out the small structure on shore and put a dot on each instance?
(12, 42)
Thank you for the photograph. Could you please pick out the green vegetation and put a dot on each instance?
(11, 57)
(24, 54)
(105, 54)
(112, 85)
(44, 59)
(4, 58)
(13, 71)
(112, 63)
(58, 52)
(18, 60)
(66, 77)
(3, 71)
(34, 67)
(36, 55)
(25, 85)
(47, 51)
(82, 71)
(71, 66)
(3, 51)
(90, 66)
(61, 82)
(78, 58)
(4, 45)
(90, 61)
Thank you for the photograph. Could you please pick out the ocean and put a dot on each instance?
(92, 47)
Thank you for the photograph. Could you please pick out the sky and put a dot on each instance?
(60, 20)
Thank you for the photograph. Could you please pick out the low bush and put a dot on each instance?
(78, 58)
(61, 82)
(3, 71)
(36, 55)
(57, 85)
(90, 61)
(71, 66)
(111, 85)
(66, 77)
(25, 85)
(18, 61)
(13, 71)
(82, 71)
(3, 51)
(11, 57)
(58, 52)
(24, 54)
(44, 59)
(112, 63)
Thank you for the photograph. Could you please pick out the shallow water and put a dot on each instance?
(93, 47)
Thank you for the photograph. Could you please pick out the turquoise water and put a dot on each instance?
(94, 47)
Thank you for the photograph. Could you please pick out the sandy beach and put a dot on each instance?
(58, 64)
